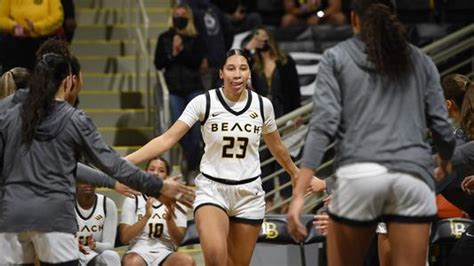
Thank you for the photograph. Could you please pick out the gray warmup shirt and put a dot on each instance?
(84, 173)
(374, 119)
(37, 186)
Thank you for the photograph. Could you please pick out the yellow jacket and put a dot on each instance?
(46, 15)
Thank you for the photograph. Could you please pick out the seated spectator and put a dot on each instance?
(152, 229)
(26, 25)
(312, 12)
(97, 219)
(240, 18)
(180, 52)
(274, 76)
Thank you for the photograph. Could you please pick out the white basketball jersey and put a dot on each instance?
(232, 138)
(155, 234)
(93, 224)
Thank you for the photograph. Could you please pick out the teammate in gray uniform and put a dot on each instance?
(40, 142)
(376, 95)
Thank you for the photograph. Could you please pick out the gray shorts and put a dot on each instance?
(49, 247)
(366, 193)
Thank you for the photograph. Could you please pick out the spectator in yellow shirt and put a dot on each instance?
(26, 24)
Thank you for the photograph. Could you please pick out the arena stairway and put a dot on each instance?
(106, 54)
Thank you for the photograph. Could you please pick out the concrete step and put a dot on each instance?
(111, 64)
(119, 3)
(110, 16)
(113, 32)
(124, 118)
(135, 136)
(126, 150)
(112, 99)
(124, 81)
(110, 48)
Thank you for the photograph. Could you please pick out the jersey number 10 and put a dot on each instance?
(155, 230)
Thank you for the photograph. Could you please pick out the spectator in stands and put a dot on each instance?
(97, 222)
(215, 29)
(180, 52)
(312, 12)
(12, 80)
(69, 23)
(240, 18)
(40, 143)
(27, 24)
(153, 230)
(376, 101)
(274, 76)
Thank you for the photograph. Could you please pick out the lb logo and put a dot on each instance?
(457, 229)
(253, 115)
(270, 230)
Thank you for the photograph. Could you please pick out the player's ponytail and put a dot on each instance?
(48, 75)
(12, 80)
(384, 36)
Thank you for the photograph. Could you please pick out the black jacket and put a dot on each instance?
(288, 97)
(181, 71)
(37, 185)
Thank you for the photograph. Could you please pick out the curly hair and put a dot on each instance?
(384, 36)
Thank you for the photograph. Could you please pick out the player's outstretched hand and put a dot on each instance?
(467, 185)
(125, 190)
(317, 185)
(443, 169)
(296, 229)
(176, 191)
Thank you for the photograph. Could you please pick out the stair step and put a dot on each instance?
(112, 99)
(111, 64)
(124, 118)
(137, 136)
(111, 48)
(109, 16)
(112, 32)
(119, 3)
(124, 81)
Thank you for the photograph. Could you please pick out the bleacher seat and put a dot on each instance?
(458, 11)
(418, 11)
(444, 236)
(307, 66)
(274, 231)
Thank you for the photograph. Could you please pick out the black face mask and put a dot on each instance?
(265, 47)
(180, 22)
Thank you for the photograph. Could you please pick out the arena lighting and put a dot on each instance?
(320, 14)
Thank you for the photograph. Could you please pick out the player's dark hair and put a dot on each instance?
(384, 35)
(167, 165)
(236, 52)
(48, 74)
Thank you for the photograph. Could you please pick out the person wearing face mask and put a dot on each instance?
(274, 76)
(179, 52)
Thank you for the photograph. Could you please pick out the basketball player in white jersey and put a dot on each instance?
(152, 231)
(229, 206)
(97, 221)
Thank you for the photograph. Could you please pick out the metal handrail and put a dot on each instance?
(453, 37)
(140, 30)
